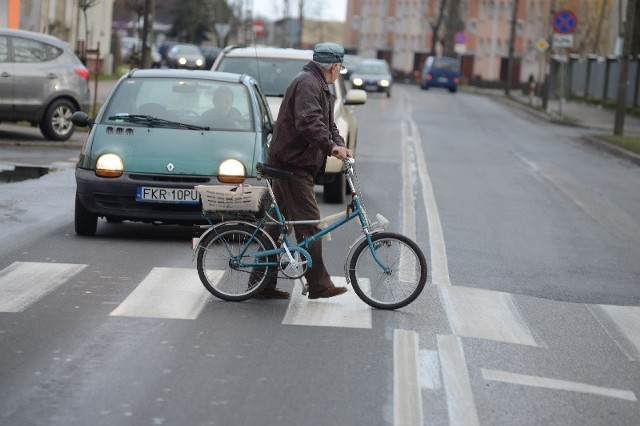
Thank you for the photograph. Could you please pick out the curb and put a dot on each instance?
(603, 145)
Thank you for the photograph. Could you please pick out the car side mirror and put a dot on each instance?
(355, 97)
(81, 119)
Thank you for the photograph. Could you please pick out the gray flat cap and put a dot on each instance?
(328, 53)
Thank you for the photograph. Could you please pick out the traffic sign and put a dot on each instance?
(542, 44)
(563, 40)
(459, 38)
(258, 28)
(564, 21)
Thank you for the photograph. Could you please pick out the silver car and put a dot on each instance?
(41, 81)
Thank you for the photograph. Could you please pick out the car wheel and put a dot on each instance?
(56, 123)
(86, 223)
(334, 191)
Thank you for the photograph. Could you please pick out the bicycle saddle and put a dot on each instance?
(273, 172)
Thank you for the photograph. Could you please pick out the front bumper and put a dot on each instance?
(116, 197)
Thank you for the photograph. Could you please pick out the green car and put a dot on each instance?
(160, 133)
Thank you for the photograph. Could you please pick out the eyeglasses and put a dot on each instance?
(341, 66)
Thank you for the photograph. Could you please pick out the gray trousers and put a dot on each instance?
(297, 201)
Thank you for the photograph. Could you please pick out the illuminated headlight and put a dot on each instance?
(199, 62)
(357, 81)
(231, 171)
(109, 165)
(182, 61)
(384, 83)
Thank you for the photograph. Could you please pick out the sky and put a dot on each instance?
(327, 10)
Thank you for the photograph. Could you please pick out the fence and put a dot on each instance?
(593, 78)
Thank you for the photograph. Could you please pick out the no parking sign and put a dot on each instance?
(564, 21)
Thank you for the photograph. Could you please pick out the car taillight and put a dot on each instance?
(429, 77)
(456, 80)
(82, 72)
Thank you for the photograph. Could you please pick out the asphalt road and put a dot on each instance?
(529, 316)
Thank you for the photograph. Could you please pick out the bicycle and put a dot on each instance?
(234, 257)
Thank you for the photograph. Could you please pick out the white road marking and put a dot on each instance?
(627, 321)
(407, 399)
(166, 293)
(23, 283)
(346, 310)
(430, 370)
(460, 403)
(485, 314)
(439, 264)
(544, 382)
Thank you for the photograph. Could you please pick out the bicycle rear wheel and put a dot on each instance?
(401, 284)
(220, 275)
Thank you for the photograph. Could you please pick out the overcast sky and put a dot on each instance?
(328, 10)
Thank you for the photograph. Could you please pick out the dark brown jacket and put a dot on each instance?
(305, 131)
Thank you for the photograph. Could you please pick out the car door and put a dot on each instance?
(35, 76)
(6, 76)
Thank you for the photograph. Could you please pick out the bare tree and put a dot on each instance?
(84, 5)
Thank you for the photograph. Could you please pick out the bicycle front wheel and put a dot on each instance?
(218, 261)
(401, 283)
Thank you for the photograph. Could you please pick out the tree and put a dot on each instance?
(84, 5)
(192, 20)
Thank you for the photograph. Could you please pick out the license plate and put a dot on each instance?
(443, 79)
(152, 194)
(371, 87)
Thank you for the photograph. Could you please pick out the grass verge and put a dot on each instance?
(630, 143)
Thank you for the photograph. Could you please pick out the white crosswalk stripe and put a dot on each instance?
(166, 293)
(24, 283)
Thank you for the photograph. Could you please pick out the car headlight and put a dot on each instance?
(109, 165)
(182, 61)
(199, 62)
(231, 171)
(357, 81)
(384, 83)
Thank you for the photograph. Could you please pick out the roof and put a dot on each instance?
(183, 73)
(270, 52)
(34, 35)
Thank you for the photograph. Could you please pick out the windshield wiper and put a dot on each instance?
(155, 121)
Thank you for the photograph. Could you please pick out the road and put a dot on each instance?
(529, 317)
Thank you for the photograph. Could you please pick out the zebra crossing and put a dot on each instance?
(176, 293)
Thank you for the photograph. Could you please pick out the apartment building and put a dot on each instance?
(402, 31)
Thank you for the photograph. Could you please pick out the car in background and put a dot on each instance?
(151, 143)
(163, 49)
(350, 65)
(41, 81)
(210, 54)
(133, 45)
(372, 75)
(274, 68)
(440, 72)
(186, 56)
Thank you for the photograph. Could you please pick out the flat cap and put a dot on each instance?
(328, 53)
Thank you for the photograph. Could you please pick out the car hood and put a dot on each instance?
(190, 152)
(370, 77)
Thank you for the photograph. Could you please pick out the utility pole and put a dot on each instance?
(621, 103)
(147, 28)
(512, 40)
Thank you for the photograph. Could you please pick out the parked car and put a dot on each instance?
(129, 45)
(186, 56)
(151, 143)
(440, 72)
(163, 49)
(41, 81)
(372, 75)
(274, 68)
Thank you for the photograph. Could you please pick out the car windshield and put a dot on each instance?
(181, 103)
(445, 65)
(274, 74)
(187, 50)
(364, 68)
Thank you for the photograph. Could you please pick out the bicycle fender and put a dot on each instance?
(229, 222)
(353, 245)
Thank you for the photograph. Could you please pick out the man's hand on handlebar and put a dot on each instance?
(340, 152)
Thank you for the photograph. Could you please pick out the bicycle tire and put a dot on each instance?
(396, 289)
(214, 262)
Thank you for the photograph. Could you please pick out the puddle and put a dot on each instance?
(11, 173)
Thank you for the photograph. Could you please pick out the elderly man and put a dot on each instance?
(304, 136)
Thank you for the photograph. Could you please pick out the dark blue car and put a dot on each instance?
(440, 72)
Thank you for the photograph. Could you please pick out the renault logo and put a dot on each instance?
(170, 167)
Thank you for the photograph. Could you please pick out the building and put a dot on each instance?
(63, 19)
(477, 31)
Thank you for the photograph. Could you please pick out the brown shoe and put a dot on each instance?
(328, 292)
(273, 293)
